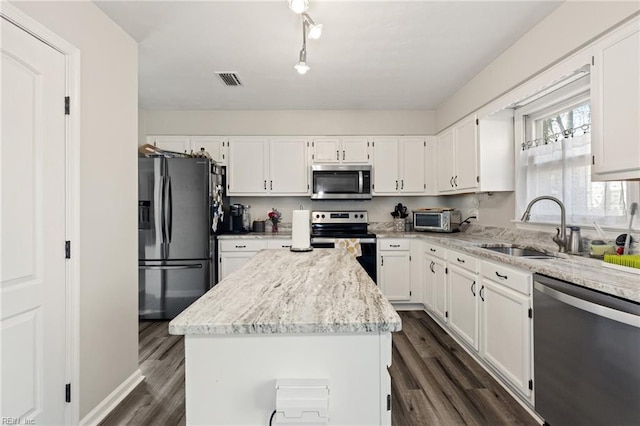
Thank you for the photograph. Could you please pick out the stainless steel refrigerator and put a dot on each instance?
(174, 224)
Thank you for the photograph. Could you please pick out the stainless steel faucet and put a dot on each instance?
(561, 236)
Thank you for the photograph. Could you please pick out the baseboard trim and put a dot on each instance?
(102, 410)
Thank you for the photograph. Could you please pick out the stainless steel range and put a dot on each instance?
(329, 227)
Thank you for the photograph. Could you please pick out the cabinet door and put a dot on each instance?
(506, 333)
(355, 150)
(326, 150)
(431, 166)
(440, 289)
(248, 166)
(465, 138)
(429, 282)
(395, 275)
(288, 167)
(172, 143)
(215, 146)
(385, 166)
(615, 103)
(230, 262)
(463, 304)
(412, 165)
(445, 161)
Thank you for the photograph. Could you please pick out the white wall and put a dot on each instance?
(281, 122)
(108, 194)
(570, 26)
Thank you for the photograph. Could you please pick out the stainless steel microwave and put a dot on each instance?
(437, 220)
(340, 182)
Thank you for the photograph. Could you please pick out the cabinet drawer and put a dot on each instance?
(515, 279)
(277, 244)
(463, 260)
(242, 245)
(434, 250)
(394, 244)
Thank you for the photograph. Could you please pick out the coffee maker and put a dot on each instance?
(238, 218)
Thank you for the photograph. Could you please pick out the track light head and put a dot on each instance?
(299, 6)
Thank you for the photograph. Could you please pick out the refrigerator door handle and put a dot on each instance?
(163, 218)
(169, 209)
(172, 267)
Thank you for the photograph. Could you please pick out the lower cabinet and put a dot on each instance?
(440, 307)
(506, 324)
(463, 303)
(394, 269)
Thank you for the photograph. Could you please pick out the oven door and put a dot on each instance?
(368, 258)
(340, 182)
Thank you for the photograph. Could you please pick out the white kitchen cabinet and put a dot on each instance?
(216, 146)
(439, 270)
(288, 167)
(399, 165)
(262, 166)
(477, 155)
(505, 323)
(340, 150)
(463, 286)
(431, 166)
(279, 244)
(394, 269)
(232, 254)
(615, 105)
(248, 166)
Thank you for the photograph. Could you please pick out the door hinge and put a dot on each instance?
(530, 313)
(388, 402)
(308, 187)
(593, 160)
(593, 60)
(313, 144)
(219, 260)
(228, 187)
(67, 249)
(409, 292)
(373, 144)
(409, 258)
(373, 186)
(307, 144)
(531, 384)
(478, 179)
(67, 105)
(477, 121)
(67, 392)
(425, 186)
(446, 314)
(425, 143)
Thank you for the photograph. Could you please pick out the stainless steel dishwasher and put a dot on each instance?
(586, 355)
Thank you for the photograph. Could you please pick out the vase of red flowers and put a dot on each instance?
(274, 216)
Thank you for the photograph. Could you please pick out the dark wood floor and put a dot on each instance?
(433, 381)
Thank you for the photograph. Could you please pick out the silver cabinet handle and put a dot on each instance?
(241, 246)
(460, 260)
(481, 296)
(473, 286)
(394, 245)
(271, 185)
(337, 155)
(504, 277)
(402, 184)
(283, 246)
(396, 185)
(431, 267)
(451, 181)
(342, 155)
(381, 260)
(432, 249)
(265, 185)
(455, 180)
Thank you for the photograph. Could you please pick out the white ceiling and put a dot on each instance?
(372, 54)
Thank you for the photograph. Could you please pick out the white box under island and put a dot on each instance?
(285, 315)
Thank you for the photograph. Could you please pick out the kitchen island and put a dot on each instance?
(285, 315)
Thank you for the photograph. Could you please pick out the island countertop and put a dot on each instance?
(279, 291)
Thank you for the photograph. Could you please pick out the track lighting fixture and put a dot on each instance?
(310, 28)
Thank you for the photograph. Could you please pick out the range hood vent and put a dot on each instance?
(229, 78)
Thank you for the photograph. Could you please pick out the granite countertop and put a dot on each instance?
(279, 291)
(579, 270)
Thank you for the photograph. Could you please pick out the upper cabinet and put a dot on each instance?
(399, 165)
(264, 166)
(615, 105)
(216, 146)
(336, 150)
(477, 155)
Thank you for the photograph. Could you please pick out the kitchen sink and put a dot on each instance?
(518, 251)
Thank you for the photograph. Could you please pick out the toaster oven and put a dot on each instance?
(437, 220)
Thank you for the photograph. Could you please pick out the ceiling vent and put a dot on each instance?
(229, 78)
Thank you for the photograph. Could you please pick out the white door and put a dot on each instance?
(445, 161)
(173, 143)
(214, 145)
(32, 277)
(248, 166)
(395, 274)
(326, 150)
(355, 150)
(466, 153)
(440, 289)
(431, 166)
(429, 277)
(385, 166)
(412, 165)
(288, 166)
(463, 304)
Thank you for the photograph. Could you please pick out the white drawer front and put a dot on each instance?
(242, 245)
(463, 260)
(434, 250)
(276, 244)
(515, 279)
(387, 244)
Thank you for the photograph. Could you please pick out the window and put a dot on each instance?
(555, 159)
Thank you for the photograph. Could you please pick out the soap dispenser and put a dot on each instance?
(574, 246)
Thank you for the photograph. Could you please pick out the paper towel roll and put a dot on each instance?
(301, 230)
